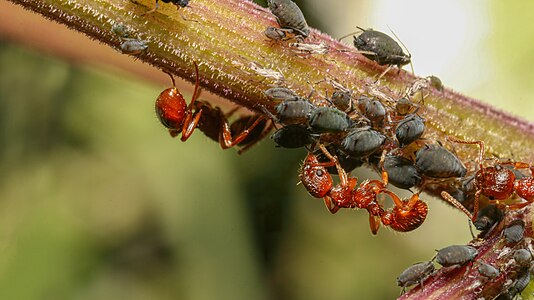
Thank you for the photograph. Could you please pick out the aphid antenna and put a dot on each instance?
(405, 48)
(352, 33)
(470, 223)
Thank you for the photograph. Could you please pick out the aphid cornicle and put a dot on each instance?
(414, 274)
(289, 16)
(456, 255)
(381, 48)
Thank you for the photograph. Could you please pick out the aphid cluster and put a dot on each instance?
(345, 131)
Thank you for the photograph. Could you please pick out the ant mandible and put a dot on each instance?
(496, 182)
(406, 215)
(178, 117)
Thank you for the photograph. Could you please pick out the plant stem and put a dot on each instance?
(238, 62)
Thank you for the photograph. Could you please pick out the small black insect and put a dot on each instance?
(178, 3)
(380, 47)
(437, 162)
(289, 16)
(416, 273)
(328, 119)
(281, 94)
(456, 255)
(294, 111)
(342, 100)
(401, 172)
(435, 82)
(293, 136)
(522, 257)
(372, 109)
(487, 217)
(488, 271)
(278, 34)
(362, 142)
(410, 129)
(403, 106)
(133, 46)
(513, 233)
(519, 285)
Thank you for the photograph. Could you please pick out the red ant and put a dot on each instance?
(178, 117)
(496, 182)
(405, 216)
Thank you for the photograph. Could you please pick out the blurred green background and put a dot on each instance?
(98, 202)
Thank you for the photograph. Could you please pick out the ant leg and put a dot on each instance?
(342, 174)
(264, 133)
(374, 223)
(385, 177)
(225, 137)
(458, 205)
(196, 93)
(191, 121)
(479, 143)
(330, 205)
(152, 10)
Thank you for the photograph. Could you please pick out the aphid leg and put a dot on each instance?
(384, 73)
(458, 205)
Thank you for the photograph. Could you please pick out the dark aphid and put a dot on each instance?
(281, 94)
(435, 82)
(278, 34)
(403, 106)
(178, 3)
(401, 172)
(121, 31)
(415, 274)
(488, 270)
(342, 100)
(133, 46)
(385, 50)
(347, 162)
(410, 129)
(293, 136)
(437, 162)
(522, 257)
(294, 112)
(456, 255)
(362, 142)
(289, 16)
(514, 232)
(372, 109)
(519, 285)
(488, 217)
(328, 119)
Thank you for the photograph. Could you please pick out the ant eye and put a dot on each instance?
(319, 173)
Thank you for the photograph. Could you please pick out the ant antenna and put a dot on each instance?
(172, 78)
(405, 48)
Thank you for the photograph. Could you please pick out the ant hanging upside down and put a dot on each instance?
(181, 118)
(406, 215)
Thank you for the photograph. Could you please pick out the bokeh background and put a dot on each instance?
(98, 202)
